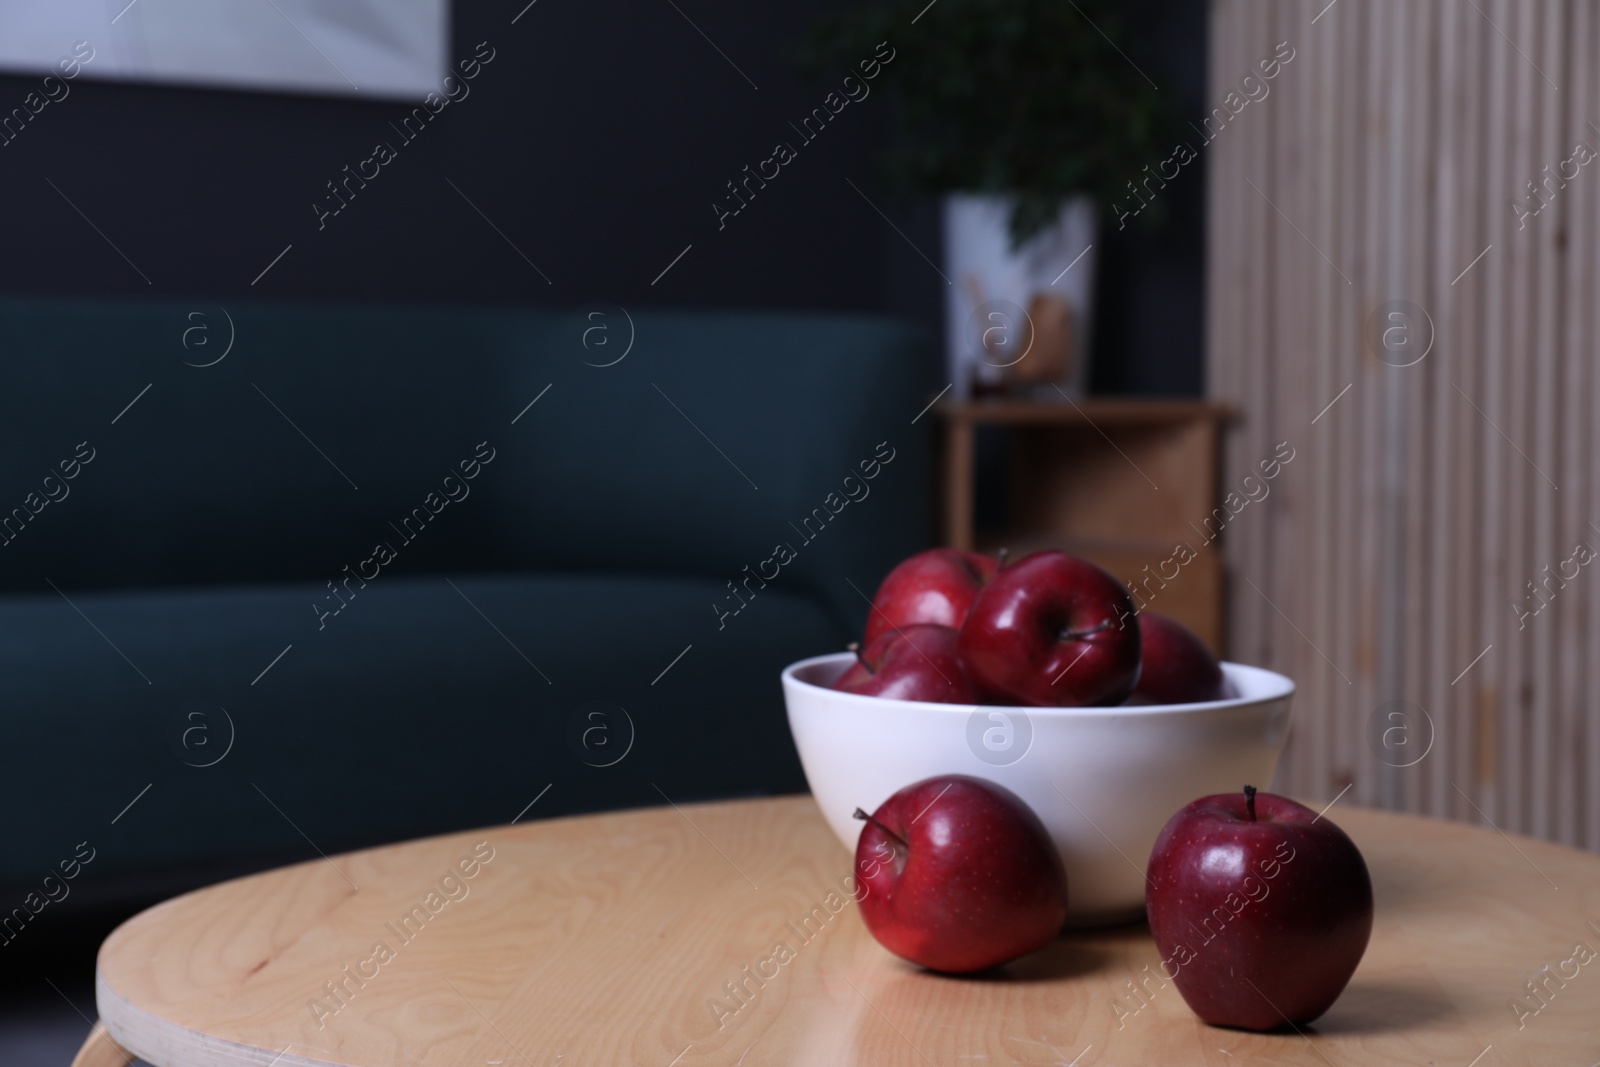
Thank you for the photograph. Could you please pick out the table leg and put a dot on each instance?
(100, 1051)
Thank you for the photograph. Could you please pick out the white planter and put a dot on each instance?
(993, 288)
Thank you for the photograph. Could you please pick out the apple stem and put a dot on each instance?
(1002, 555)
(855, 646)
(1250, 801)
(864, 817)
(1074, 635)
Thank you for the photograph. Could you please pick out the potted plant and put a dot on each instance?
(1026, 115)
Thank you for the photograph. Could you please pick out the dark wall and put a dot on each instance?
(1151, 306)
(594, 143)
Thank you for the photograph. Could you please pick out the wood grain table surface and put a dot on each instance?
(726, 934)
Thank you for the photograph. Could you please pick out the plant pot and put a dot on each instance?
(1018, 320)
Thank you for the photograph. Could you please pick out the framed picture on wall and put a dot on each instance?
(383, 49)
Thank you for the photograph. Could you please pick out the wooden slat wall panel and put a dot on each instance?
(1583, 236)
(1491, 278)
(1575, 501)
(1409, 431)
(1423, 507)
(1346, 435)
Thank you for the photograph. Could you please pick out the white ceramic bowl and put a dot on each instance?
(1103, 780)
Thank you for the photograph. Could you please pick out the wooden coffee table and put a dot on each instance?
(623, 938)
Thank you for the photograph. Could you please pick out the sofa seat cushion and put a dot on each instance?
(426, 704)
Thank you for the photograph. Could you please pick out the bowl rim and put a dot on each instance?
(1279, 687)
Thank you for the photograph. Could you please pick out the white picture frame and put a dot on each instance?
(379, 49)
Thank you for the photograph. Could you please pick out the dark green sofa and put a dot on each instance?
(202, 620)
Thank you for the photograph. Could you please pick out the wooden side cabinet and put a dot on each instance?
(1128, 484)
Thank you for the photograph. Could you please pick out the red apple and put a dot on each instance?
(936, 586)
(1052, 629)
(914, 663)
(1260, 908)
(959, 875)
(1178, 667)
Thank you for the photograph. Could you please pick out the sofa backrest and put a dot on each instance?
(317, 433)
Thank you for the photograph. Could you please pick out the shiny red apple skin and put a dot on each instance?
(1178, 667)
(972, 882)
(936, 586)
(1052, 629)
(1295, 913)
(914, 663)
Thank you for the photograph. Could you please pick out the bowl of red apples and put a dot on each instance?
(1037, 675)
